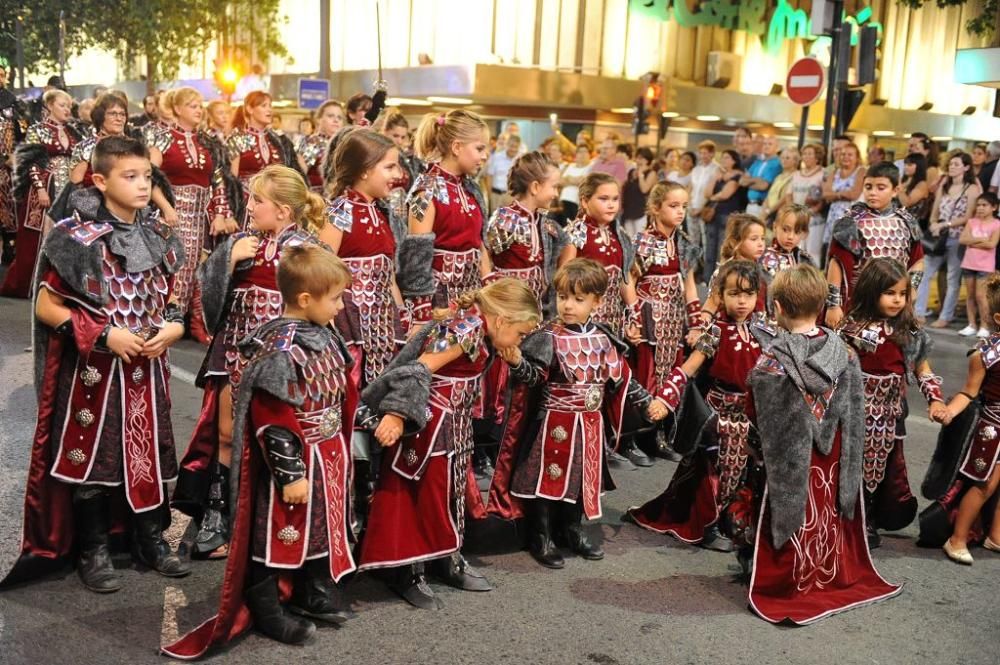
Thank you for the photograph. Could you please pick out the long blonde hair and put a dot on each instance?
(437, 132)
(508, 297)
(285, 186)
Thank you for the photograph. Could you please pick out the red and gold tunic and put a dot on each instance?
(514, 241)
(255, 149)
(199, 191)
(984, 451)
(458, 228)
(58, 142)
(9, 130)
(312, 149)
(418, 511)
(368, 247)
(775, 259)
(287, 535)
(600, 242)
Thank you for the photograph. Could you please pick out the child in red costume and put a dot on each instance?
(292, 461)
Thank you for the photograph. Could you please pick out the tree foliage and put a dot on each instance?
(983, 25)
(166, 33)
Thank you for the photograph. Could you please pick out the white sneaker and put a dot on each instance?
(983, 333)
(967, 331)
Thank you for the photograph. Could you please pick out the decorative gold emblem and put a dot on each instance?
(989, 432)
(90, 376)
(76, 457)
(594, 398)
(411, 456)
(329, 423)
(85, 417)
(559, 434)
(980, 464)
(289, 535)
(138, 375)
(554, 470)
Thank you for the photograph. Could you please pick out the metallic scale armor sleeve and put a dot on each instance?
(284, 455)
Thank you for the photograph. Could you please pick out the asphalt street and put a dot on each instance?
(651, 600)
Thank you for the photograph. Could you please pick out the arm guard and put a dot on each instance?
(693, 311)
(673, 388)
(916, 276)
(284, 455)
(930, 386)
(633, 315)
(708, 341)
(833, 297)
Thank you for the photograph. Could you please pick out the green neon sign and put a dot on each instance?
(785, 21)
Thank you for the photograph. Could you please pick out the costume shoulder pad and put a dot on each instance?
(84, 231)
(577, 232)
(708, 340)
(465, 328)
(990, 350)
(340, 212)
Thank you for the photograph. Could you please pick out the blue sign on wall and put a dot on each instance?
(313, 92)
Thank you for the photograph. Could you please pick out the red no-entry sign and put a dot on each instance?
(806, 81)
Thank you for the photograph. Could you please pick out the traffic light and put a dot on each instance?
(868, 55)
(640, 117)
(226, 77)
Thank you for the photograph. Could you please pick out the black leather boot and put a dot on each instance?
(151, 550)
(632, 453)
(214, 531)
(576, 536)
(271, 619)
(540, 541)
(713, 539)
(871, 531)
(456, 572)
(94, 565)
(317, 596)
(411, 585)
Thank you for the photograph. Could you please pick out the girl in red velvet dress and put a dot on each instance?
(744, 241)
(893, 350)
(418, 512)
(442, 255)
(366, 164)
(192, 161)
(239, 294)
(595, 234)
(253, 145)
(968, 501)
(41, 171)
(313, 148)
(693, 507)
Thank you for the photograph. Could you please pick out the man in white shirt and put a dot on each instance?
(497, 169)
(701, 176)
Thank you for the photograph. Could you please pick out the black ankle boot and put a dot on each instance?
(540, 543)
(151, 550)
(632, 453)
(214, 531)
(713, 539)
(92, 524)
(456, 572)
(576, 536)
(411, 585)
(317, 596)
(871, 530)
(270, 618)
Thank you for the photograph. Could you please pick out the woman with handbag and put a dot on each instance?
(727, 197)
(953, 203)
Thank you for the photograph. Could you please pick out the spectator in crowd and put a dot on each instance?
(150, 104)
(86, 123)
(989, 177)
(625, 152)
(669, 159)
(681, 174)
(255, 80)
(609, 161)
(497, 169)
(513, 129)
(876, 155)
(701, 181)
(980, 155)
(842, 187)
(761, 173)
(779, 190)
(806, 188)
(914, 194)
(727, 196)
(277, 124)
(954, 203)
(572, 175)
(743, 142)
(219, 119)
(306, 126)
(921, 144)
(838, 144)
(638, 184)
